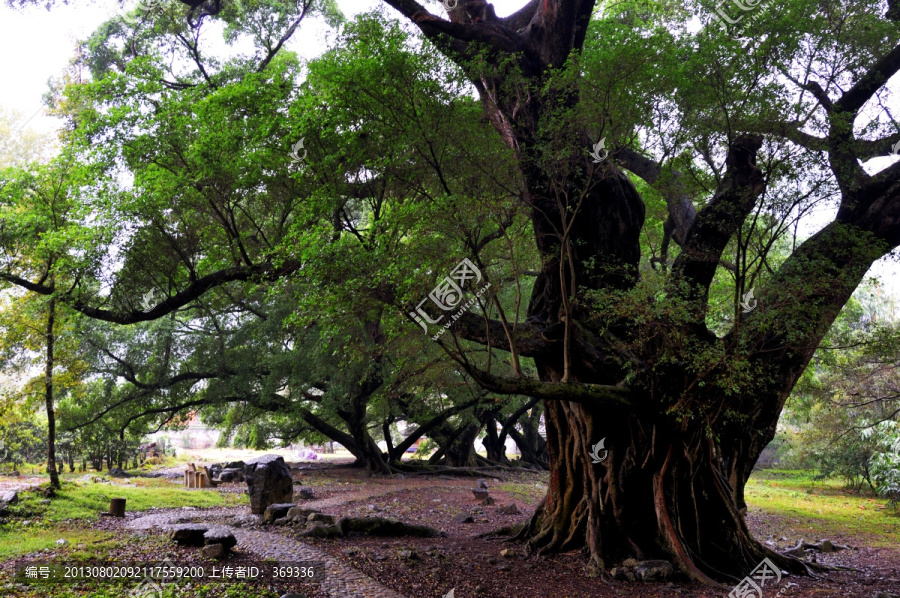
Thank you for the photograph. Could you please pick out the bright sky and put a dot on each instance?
(42, 42)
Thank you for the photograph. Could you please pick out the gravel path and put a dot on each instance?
(342, 581)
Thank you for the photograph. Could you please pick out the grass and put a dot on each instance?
(821, 508)
(86, 500)
(80, 501)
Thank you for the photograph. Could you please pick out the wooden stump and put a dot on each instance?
(117, 507)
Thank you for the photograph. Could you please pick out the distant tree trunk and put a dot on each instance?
(495, 447)
(48, 395)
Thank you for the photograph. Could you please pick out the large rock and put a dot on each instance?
(220, 535)
(115, 472)
(10, 498)
(191, 534)
(235, 465)
(277, 511)
(268, 482)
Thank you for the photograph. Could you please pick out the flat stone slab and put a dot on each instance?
(220, 535)
(191, 534)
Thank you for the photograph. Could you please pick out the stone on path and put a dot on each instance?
(220, 535)
(213, 551)
(482, 483)
(246, 520)
(277, 511)
(487, 501)
(306, 493)
(480, 493)
(299, 513)
(510, 509)
(268, 482)
(653, 570)
(322, 518)
(463, 518)
(189, 533)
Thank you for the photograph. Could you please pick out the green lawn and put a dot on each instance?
(822, 508)
(84, 501)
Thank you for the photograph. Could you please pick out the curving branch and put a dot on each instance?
(259, 272)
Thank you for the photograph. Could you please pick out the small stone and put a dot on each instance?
(292, 595)
(281, 521)
(482, 483)
(380, 557)
(488, 501)
(480, 493)
(375, 508)
(463, 518)
(321, 517)
(408, 554)
(306, 493)
(493, 561)
(299, 513)
(61, 542)
(277, 511)
(503, 567)
(350, 551)
(509, 509)
(656, 570)
(507, 553)
(213, 551)
(44, 501)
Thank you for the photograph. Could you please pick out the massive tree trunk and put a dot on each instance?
(679, 438)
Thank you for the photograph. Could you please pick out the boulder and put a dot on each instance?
(510, 509)
(239, 465)
(277, 511)
(115, 472)
(268, 482)
(191, 534)
(653, 570)
(10, 498)
(220, 535)
(480, 493)
(213, 551)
